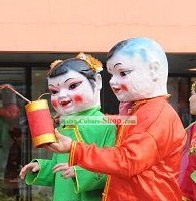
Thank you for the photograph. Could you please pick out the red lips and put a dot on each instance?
(64, 103)
(116, 89)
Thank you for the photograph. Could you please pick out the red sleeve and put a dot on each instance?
(158, 133)
(136, 153)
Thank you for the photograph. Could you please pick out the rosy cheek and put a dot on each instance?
(55, 103)
(78, 99)
(124, 87)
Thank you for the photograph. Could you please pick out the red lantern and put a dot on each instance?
(40, 122)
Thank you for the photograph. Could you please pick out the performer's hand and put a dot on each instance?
(63, 144)
(31, 167)
(66, 171)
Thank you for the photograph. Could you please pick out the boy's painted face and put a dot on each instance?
(131, 77)
(71, 93)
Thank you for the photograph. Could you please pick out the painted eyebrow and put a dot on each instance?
(117, 64)
(58, 83)
(68, 79)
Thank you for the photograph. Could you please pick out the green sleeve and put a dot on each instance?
(45, 177)
(86, 180)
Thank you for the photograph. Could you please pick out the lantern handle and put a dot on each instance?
(43, 95)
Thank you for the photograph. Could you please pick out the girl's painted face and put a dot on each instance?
(131, 78)
(71, 93)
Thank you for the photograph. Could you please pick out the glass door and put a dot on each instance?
(13, 131)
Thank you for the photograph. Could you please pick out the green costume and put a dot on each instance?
(86, 186)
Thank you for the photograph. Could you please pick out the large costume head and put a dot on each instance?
(75, 84)
(139, 69)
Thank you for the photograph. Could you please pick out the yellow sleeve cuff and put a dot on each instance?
(72, 153)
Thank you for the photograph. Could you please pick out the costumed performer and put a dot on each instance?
(144, 164)
(75, 94)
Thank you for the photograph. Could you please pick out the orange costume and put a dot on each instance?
(144, 164)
